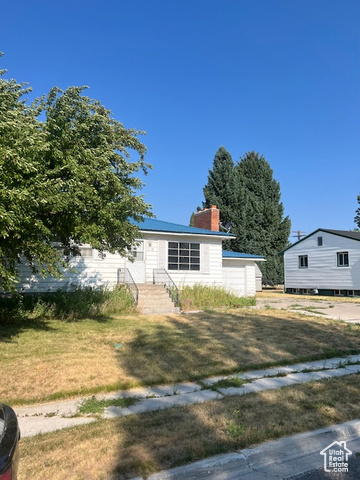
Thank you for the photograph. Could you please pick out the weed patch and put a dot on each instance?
(66, 305)
(92, 406)
(229, 382)
(206, 298)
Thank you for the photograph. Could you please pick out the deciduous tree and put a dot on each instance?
(66, 176)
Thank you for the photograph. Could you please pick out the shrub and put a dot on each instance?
(66, 305)
(208, 297)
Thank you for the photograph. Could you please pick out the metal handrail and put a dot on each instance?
(124, 276)
(162, 277)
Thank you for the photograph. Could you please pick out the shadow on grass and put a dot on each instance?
(192, 347)
(139, 445)
(12, 327)
(20, 312)
(166, 439)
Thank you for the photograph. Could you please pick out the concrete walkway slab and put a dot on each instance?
(196, 397)
(30, 426)
(152, 404)
(320, 375)
(176, 389)
(64, 409)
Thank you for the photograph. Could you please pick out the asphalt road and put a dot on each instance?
(320, 474)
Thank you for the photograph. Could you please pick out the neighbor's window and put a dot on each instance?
(320, 241)
(303, 261)
(184, 256)
(342, 259)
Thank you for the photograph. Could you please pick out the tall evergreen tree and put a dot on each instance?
(357, 216)
(221, 187)
(249, 197)
(262, 228)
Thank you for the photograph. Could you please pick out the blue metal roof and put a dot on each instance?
(153, 225)
(228, 254)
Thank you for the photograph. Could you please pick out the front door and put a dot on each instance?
(137, 266)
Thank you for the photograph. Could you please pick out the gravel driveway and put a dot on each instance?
(349, 312)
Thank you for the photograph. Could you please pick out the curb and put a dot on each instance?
(283, 458)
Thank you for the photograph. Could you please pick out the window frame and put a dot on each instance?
(183, 256)
(320, 241)
(303, 261)
(137, 251)
(342, 259)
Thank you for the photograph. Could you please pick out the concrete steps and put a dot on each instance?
(155, 299)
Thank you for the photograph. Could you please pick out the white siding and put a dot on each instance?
(322, 271)
(94, 271)
(239, 277)
(210, 259)
(84, 271)
(236, 275)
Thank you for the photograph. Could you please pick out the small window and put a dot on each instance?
(137, 252)
(86, 251)
(320, 241)
(303, 261)
(342, 259)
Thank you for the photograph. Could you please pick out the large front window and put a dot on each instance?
(184, 256)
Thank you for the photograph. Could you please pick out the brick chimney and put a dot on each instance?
(208, 219)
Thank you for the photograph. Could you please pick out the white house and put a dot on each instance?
(325, 262)
(190, 255)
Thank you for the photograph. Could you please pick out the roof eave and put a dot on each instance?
(191, 234)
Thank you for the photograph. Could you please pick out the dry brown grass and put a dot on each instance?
(142, 444)
(57, 359)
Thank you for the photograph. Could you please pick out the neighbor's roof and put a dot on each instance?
(340, 233)
(250, 256)
(153, 225)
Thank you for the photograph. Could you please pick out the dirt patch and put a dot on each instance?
(334, 309)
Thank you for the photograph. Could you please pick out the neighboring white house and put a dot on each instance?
(325, 262)
(190, 255)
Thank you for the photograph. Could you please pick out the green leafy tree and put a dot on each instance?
(66, 176)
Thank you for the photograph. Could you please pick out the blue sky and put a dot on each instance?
(281, 77)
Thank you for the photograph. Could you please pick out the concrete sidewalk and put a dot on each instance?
(55, 416)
